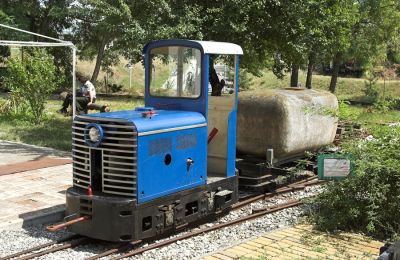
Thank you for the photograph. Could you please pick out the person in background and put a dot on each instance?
(85, 99)
(216, 84)
(89, 95)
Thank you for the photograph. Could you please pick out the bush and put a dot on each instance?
(3, 71)
(369, 200)
(371, 88)
(31, 81)
(114, 87)
(395, 103)
(346, 113)
(383, 106)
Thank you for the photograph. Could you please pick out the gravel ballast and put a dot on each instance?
(12, 241)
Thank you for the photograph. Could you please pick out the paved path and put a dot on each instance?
(43, 162)
(302, 242)
(12, 152)
(33, 194)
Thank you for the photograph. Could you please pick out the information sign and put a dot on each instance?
(334, 166)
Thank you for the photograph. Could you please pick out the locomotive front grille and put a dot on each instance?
(111, 166)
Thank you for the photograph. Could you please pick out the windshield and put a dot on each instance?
(175, 72)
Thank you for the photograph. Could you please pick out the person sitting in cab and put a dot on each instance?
(216, 84)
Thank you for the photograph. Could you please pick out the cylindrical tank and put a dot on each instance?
(289, 121)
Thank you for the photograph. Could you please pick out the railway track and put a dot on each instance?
(133, 248)
(48, 248)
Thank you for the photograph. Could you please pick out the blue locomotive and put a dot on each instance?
(169, 164)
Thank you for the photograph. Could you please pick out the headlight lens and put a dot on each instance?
(94, 134)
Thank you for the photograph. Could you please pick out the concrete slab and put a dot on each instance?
(34, 196)
(13, 152)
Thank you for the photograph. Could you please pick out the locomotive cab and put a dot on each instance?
(169, 164)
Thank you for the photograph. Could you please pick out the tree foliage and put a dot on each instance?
(368, 200)
(31, 81)
(50, 17)
(283, 35)
(110, 29)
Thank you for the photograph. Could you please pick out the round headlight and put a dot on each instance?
(94, 134)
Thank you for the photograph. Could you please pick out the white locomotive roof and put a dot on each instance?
(220, 47)
(209, 47)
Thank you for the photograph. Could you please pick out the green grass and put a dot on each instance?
(377, 118)
(120, 76)
(55, 131)
(120, 103)
(347, 88)
(370, 117)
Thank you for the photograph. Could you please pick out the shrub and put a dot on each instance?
(370, 85)
(114, 87)
(383, 106)
(4, 106)
(346, 113)
(395, 103)
(31, 81)
(371, 89)
(367, 201)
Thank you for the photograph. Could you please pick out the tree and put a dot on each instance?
(376, 33)
(107, 29)
(4, 50)
(31, 81)
(365, 31)
(272, 33)
(317, 24)
(242, 22)
(51, 18)
(99, 24)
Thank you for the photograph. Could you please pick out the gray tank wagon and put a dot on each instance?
(288, 121)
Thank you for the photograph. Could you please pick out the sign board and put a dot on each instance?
(334, 166)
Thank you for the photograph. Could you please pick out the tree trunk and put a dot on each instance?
(294, 78)
(310, 68)
(99, 59)
(335, 71)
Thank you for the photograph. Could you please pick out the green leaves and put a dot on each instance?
(369, 200)
(31, 81)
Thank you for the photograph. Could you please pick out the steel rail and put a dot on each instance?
(69, 244)
(208, 229)
(288, 188)
(120, 249)
(256, 213)
(36, 248)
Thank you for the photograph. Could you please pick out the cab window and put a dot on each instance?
(175, 71)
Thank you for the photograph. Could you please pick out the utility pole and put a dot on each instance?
(130, 67)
